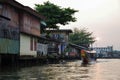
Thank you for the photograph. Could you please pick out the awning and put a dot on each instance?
(91, 52)
(43, 23)
(77, 46)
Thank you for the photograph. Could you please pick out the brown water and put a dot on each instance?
(103, 69)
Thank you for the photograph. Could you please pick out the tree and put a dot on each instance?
(55, 14)
(82, 37)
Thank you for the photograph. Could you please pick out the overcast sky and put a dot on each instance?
(102, 17)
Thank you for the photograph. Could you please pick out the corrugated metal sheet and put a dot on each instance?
(42, 49)
(8, 46)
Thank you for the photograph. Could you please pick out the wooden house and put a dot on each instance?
(62, 36)
(9, 32)
(19, 29)
(46, 46)
(30, 33)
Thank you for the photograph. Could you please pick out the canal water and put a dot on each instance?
(103, 69)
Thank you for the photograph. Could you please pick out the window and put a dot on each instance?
(1, 6)
(5, 33)
(14, 35)
(31, 44)
(35, 44)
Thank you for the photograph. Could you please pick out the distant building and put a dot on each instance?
(116, 54)
(103, 51)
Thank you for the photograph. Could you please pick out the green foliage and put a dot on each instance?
(55, 14)
(82, 37)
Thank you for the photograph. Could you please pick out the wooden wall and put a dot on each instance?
(9, 34)
(31, 24)
(20, 21)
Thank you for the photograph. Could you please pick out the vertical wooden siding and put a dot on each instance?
(31, 25)
(13, 27)
(9, 35)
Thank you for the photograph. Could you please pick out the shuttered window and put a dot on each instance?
(31, 44)
(35, 44)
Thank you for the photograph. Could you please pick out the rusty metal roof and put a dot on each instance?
(22, 7)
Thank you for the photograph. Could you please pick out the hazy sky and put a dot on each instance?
(102, 17)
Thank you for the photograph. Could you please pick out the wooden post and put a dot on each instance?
(0, 60)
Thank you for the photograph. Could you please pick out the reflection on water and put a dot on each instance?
(108, 69)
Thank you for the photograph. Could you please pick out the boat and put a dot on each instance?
(92, 56)
(88, 56)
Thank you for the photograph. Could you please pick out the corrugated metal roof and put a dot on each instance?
(77, 46)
